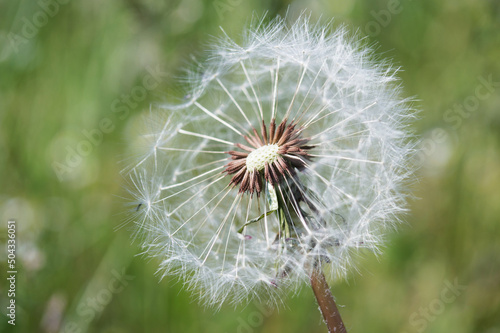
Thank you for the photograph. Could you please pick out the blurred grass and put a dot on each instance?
(64, 80)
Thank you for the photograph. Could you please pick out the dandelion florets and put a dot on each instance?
(290, 151)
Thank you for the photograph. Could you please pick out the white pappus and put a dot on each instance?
(290, 150)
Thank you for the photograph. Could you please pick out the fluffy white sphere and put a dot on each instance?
(337, 179)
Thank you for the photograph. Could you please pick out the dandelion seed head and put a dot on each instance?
(290, 150)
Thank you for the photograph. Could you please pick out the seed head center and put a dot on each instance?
(258, 158)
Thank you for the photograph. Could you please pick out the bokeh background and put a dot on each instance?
(72, 77)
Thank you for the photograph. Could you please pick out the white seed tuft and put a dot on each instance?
(336, 200)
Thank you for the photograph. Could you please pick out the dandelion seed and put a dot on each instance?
(287, 157)
(274, 156)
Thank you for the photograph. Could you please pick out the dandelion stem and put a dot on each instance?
(326, 302)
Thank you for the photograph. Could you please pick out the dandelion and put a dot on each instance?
(288, 155)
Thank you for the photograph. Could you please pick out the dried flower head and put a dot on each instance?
(289, 152)
(272, 158)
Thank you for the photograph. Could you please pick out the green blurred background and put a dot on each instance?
(73, 69)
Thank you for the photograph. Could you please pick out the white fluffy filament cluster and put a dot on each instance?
(351, 188)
